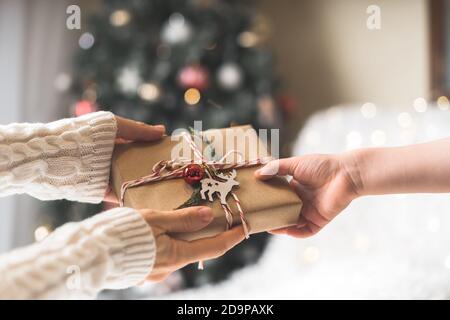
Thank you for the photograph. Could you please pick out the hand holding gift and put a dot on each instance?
(173, 254)
(323, 182)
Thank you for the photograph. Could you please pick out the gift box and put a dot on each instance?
(266, 205)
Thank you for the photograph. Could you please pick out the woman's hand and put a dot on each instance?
(173, 254)
(130, 130)
(325, 183)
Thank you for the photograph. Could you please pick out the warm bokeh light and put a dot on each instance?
(420, 105)
(148, 91)
(369, 110)
(120, 18)
(41, 233)
(192, 96)
(443, 103)
(247, 39)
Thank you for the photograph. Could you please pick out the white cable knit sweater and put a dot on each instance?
(70, 159)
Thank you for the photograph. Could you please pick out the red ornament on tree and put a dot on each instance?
(193, 173)
(83, 107)
(194, 76)
(287, 104)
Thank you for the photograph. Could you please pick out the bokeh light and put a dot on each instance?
(420, 105)
(119, 18)
(192, 96)
(369, 110)
(149, 91)
(247, 39)
(41, 233)
(84, 107)
(443, 103)
(86, 41)
(62, 82)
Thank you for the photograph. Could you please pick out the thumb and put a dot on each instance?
(183, 220)
(138, 131)
(281, 167)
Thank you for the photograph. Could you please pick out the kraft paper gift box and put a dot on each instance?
(267, 204)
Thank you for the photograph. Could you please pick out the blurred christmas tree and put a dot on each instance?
(173, 62)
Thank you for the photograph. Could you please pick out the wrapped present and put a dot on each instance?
(214, 168)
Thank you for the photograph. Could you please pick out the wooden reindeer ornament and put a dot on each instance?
(211, 186)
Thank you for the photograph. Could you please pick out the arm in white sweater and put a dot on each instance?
(66, 159)
(111, 250)
(71, 159)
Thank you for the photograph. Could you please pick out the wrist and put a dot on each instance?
(351, 164)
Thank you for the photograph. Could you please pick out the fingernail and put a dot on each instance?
(206, 214)
(160, 127)
(268, 170)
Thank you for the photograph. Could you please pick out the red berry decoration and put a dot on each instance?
(193, 173)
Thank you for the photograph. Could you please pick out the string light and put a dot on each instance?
(86, 41)
(420, 104)
(378, 138)
(149, 91)
(368, 110)
(405, 120)
(443, 103)
(119, 18)
(311, 254)
(192, 96)
(41, 233)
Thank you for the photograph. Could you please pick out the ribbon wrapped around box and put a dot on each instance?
(266, 205)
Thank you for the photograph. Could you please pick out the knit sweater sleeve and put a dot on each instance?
(114, 249)
(66, 159)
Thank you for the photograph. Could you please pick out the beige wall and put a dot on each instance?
(326, 55)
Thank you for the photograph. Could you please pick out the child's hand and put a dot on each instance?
(325, 183)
